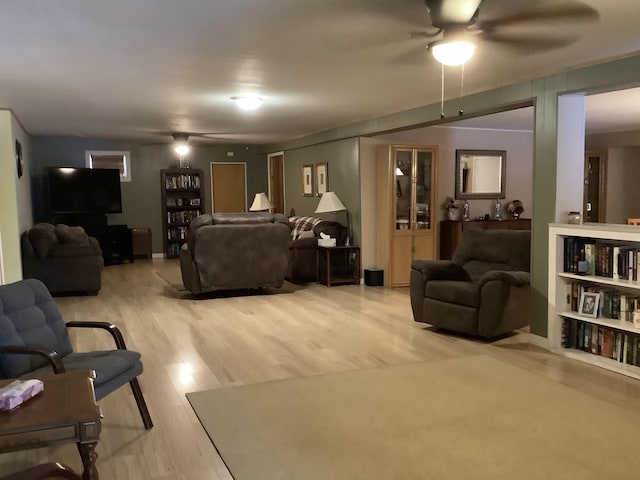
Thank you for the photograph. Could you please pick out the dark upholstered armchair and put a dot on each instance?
(34, 341)
(483, 291)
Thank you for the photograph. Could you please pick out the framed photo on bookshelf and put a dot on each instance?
(589, 304)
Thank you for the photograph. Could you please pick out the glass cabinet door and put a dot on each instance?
(404, 188)
(424, 162)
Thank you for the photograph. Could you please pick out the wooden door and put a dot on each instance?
(228, 187)
(276, 181)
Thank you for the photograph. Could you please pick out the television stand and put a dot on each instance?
(115, 242)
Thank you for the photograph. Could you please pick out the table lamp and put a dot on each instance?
(260, 203)
(330, 203)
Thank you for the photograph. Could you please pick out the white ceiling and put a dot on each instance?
(140, 69)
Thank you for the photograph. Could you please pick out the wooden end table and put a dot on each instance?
(338, 265)
(66, 411)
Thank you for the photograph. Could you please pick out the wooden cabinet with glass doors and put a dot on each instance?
(406, 179)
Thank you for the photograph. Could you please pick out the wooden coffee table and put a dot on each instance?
(65, 412)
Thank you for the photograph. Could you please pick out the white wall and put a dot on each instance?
(571, 140)
(23, 184)
(15, 197)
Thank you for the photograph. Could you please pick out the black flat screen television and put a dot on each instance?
(84, 190)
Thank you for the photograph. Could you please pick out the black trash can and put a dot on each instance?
(374, 277)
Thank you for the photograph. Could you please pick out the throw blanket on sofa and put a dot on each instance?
(302, 224)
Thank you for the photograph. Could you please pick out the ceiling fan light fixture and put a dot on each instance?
(181, 149)
(248, 102)
(453, 53)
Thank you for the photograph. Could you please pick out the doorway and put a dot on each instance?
(594, 187)
(228, 187)
(276, 181)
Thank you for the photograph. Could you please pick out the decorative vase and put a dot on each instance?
(454, 214)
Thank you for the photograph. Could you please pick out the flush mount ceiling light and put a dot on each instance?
(248, 102)
(453, 53)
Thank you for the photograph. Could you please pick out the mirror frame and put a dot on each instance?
(485, 153)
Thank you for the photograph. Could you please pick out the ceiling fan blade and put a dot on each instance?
(428, 35)
(446, 13)
(531, 43)
(567, 12)
(413, 56)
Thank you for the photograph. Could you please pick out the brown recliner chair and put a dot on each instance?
(484, 291)
(231, 251)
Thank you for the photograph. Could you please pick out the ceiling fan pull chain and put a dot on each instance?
(442, 93)
(461, 111)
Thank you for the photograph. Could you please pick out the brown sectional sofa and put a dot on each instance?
(64, 258)
(229, 251)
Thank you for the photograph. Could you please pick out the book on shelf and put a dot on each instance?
(602, 258)
(607, 342)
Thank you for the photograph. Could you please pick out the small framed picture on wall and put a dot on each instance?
(307, 180)
(322, 180)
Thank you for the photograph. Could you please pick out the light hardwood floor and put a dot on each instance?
(191, 345)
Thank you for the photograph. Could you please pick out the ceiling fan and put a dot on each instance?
(458, 26)
(182, 138)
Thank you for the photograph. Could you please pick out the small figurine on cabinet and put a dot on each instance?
(497, 210)
(466, 213)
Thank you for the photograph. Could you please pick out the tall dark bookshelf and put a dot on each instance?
(182, 201)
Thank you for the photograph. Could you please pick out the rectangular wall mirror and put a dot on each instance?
(480, 173)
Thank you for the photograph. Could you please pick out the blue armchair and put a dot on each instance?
(34, 340)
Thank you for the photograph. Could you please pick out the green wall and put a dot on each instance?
(343, 179)
(140, 197)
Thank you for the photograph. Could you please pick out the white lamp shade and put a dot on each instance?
(453, 53)
(329, 202)
(260, 203)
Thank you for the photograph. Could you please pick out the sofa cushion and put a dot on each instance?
(71, 235)
(509, 247)
(43, 237)
(460, 293)
(476, 268)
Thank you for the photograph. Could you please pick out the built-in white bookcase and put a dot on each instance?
(620, 235)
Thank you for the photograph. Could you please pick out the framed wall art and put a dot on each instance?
(307, 180)
(322, 180)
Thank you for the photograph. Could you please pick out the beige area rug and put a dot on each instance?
(467, 418)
